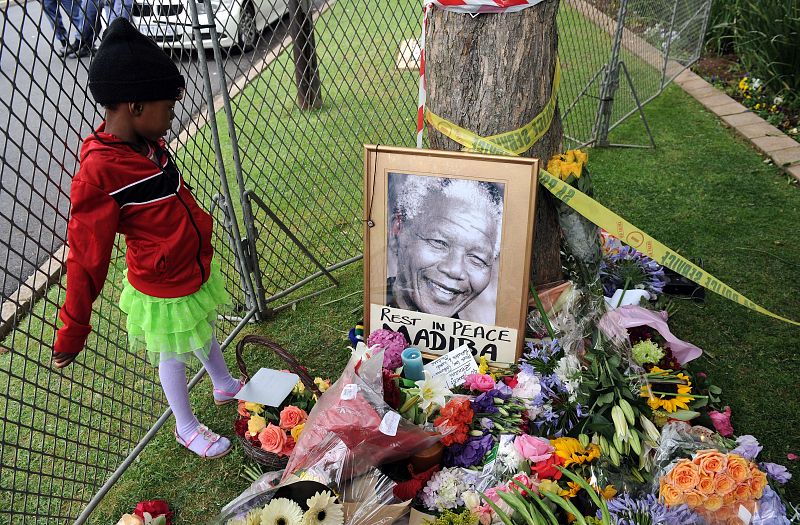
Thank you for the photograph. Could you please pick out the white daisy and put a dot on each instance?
(282, 511)
(323, 510)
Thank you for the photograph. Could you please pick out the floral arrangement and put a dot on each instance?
(322, 509)
(629, 269)
(148, 512)
(277, 429)
(714, 485)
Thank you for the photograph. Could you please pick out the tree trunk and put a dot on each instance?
(491, 74)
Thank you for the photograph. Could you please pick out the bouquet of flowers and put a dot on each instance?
(715, 485)
(277, 429)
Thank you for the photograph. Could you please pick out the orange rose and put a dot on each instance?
(670, 495)
(738, 468)
(711, 462)
(291, 416)
(724, 484)
(685, 476)
(713, 502)
(694, 499)
(757, 482)
(743, 492)
(272, 439)
(706, 484)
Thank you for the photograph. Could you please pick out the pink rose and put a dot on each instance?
(722, 421)
(291, 416)
(533, 448)
(272, 439)
(481, 382)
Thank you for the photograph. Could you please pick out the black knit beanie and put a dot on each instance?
(129, 67)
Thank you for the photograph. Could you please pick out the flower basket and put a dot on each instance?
(270, 460)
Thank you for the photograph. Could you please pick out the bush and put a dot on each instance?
(764, 34)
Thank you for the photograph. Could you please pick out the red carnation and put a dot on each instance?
(155, 507)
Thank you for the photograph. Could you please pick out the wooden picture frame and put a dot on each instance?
(447, 241)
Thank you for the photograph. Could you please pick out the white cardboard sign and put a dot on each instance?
(268, 387)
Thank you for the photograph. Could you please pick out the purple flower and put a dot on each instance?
(484, 403)
(486, 423)
(503, 389)
(748, 447)
(626, 510)
(777, 472)
(633, 267)
(393, 344)
(470, 453)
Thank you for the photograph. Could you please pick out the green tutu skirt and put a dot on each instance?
(174, 328)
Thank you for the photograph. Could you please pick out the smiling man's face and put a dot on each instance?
(445, 256)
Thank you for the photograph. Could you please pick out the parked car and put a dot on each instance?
(238, 22)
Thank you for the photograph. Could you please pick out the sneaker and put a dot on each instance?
(205, 443)
(83, 50)
(68, 49)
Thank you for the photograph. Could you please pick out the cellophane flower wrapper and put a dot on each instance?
(354, 412)
(364, 489)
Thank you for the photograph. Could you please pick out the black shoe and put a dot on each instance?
(83, 50)
(68, 49)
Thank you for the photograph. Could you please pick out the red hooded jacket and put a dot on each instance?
(167, 234)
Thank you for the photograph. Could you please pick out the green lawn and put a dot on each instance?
(702, 192)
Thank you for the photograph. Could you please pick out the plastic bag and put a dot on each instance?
(353, 410)
(260, 493)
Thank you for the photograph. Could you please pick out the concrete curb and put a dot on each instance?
(20, 302)
(783, 150)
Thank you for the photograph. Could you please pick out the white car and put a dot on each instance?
(238, 22)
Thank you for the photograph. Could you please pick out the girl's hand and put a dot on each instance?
(61, 359)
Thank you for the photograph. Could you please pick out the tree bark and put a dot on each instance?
(494, 73)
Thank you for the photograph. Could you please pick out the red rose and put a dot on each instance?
(510, 381)
(391, 392)
(155, 507)
(288, 447)
(240, 427)
(547, 468)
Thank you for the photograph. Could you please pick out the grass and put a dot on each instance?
(703, 192)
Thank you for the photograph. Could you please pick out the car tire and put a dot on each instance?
(247, 33)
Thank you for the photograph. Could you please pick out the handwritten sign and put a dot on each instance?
(440, 335)
(454, 366)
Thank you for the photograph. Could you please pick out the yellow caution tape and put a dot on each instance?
(510, 143)
(599, 214)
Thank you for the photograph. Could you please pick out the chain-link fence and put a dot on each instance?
(280, 97)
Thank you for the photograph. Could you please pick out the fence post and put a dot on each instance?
(669, 45)
(306, 73)
(610, 82)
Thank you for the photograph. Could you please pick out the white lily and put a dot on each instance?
(432, 392)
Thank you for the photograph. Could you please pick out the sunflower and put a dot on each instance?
(572, 452)
(323, 510)
(668, 390)
(282, 511)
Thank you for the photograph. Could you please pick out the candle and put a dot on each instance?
(412, 364)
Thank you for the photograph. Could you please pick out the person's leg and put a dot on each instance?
(225, 386)
(188, 430)
(73, 9)
(50, 8)
(119, 8)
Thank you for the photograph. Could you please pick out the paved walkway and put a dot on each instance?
(783, 150)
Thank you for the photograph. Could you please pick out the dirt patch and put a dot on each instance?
(724, 68)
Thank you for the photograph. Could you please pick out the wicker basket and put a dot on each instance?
(268, 459)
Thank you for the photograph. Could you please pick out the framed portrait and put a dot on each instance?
(448, 242)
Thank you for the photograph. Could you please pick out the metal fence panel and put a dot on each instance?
(62, 434)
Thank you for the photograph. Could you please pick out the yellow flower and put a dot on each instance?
(609, 492)
(580, 156)
(255, 424)
(554, 166)
(322, 384)
(574, 488)
(670, 402)
(570, 168)
(295, 432)
(483, 367)
(572, 452)
(548, 485)
(299, 388)
(254, 407)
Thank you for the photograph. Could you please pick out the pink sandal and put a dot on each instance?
(228, 395)
(209, 436)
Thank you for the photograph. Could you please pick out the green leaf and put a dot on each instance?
(500, 514)
(515, 501)
(714, 389)
(684, 415)
(567, 506)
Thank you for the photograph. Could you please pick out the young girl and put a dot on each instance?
(128, 183)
